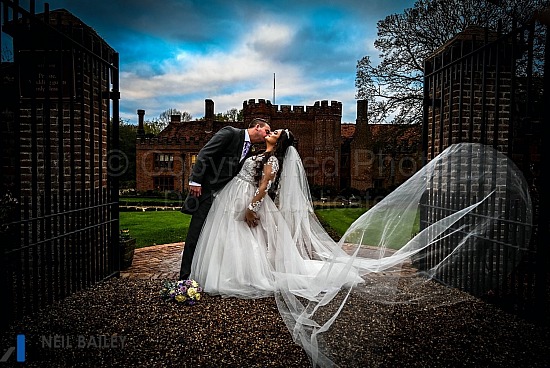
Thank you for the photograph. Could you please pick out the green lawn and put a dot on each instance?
(155, 227)
(162, 227)
(339, 219)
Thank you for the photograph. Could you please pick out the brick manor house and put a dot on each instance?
(356, 158)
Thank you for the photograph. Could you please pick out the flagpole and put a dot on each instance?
(273, 88)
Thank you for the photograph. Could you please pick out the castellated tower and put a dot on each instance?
(317, 130)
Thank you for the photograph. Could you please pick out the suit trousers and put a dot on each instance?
(193, 233)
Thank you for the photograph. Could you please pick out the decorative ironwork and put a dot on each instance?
(486, 88)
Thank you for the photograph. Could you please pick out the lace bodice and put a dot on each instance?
(248, 171)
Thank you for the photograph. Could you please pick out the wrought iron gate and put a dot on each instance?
(492, 88)
(59, 138)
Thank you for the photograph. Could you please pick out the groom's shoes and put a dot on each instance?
(184, 277)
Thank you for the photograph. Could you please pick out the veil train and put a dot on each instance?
(425, 229)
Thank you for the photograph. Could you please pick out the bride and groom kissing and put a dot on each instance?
(243, 233)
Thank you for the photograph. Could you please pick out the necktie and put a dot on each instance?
(246, 147)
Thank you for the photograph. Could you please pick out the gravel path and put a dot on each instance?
(146, 331)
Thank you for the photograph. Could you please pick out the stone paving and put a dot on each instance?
(156, 262)
(163, 262)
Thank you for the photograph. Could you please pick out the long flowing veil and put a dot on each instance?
(438, 225)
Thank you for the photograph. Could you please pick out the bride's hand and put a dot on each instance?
(250, 218)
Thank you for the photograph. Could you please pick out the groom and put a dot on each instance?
(217, 163)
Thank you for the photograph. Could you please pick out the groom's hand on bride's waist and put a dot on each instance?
(195, 190)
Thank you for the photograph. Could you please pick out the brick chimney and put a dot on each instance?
(175, 119)
(141, 129)
(362, 111)
(209, 109)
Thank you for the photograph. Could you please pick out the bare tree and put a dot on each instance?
(157, 125)
(394, 86)
(166, 116)
(233, 115)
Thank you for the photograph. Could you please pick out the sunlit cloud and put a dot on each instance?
(245, 70)
(176, 54)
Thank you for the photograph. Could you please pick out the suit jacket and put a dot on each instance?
(219, 160)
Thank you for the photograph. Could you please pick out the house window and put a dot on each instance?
(163, 183)
(193, 160)
(164, 160)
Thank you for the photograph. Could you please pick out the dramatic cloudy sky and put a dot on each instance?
(177, 53)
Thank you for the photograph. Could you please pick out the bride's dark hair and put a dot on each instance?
(286, 139)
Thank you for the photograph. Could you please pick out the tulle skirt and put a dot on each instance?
(235, 260)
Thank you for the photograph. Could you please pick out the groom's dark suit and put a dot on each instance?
(217, 163)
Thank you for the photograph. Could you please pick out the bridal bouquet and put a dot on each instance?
(187, 292)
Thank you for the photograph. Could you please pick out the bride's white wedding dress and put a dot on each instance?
(235, 260)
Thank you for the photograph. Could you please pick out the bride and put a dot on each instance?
(253, 246)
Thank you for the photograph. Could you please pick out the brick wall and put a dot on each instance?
(330, 159)
(383, 155)
(181, 139)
